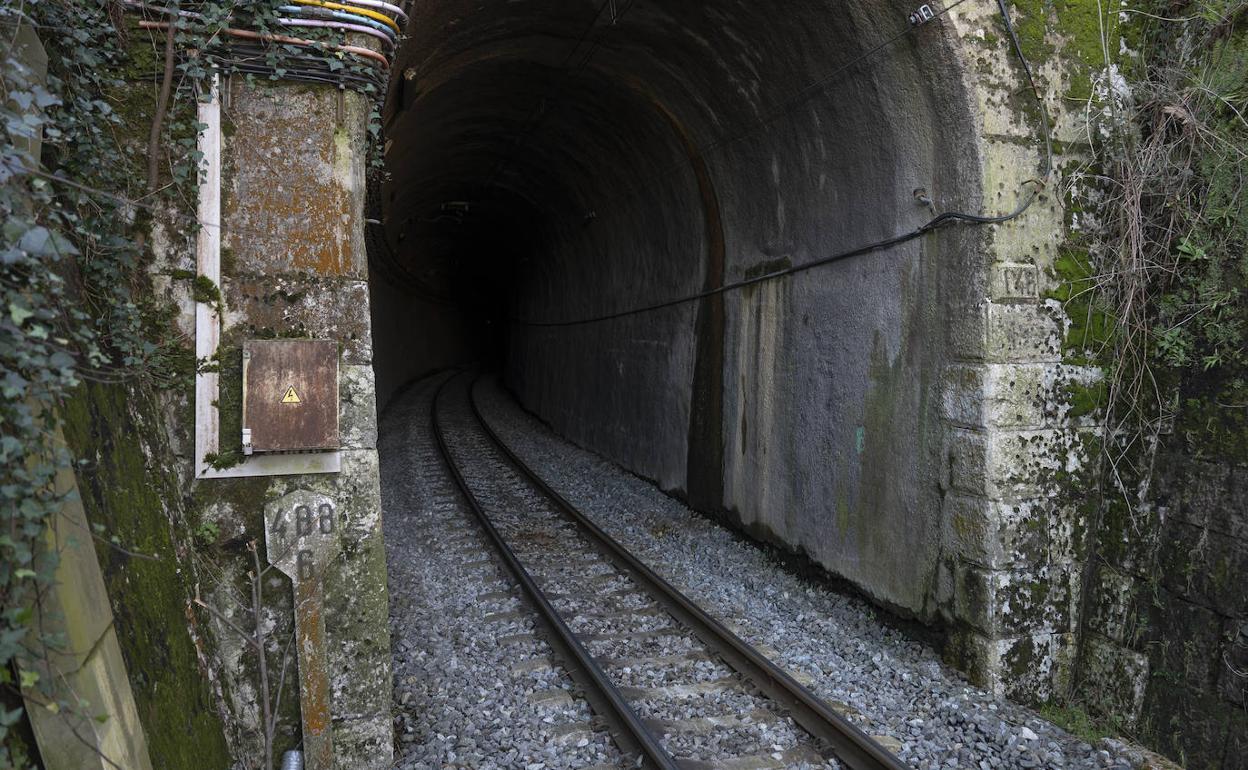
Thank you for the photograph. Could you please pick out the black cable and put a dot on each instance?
(253, 60)
(340, 79)
(223, 54)
(1048, 144)
(734, 285)
(932, 225)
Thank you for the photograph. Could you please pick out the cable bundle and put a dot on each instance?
(372, 19)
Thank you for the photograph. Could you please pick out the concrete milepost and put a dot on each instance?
(302, 538)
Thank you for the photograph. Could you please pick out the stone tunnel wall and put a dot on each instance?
(1167, 638)
(795, 407)
(893, 416)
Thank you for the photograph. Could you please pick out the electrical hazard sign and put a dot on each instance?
(291, 397)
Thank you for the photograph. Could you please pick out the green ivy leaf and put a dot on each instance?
(19, 312)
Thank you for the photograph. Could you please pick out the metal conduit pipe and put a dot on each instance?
(346, 27)
(352, 9)
(398, 12)
(325, 13)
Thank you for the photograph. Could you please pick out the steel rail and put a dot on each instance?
(629, 731)
(849, 744)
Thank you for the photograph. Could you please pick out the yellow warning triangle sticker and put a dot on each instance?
(291, 396)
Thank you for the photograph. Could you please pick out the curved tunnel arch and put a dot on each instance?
(699, 144)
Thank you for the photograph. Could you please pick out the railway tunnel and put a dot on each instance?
(816, 271)
(556, 170)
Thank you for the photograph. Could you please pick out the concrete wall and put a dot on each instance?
(129, 483)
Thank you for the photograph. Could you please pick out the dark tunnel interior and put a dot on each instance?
(570, 159)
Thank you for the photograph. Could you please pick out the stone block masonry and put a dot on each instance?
(1009, 577)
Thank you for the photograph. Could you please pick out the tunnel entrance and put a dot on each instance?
(554, 167)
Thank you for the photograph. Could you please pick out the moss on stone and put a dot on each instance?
(1211, 422)
(229, 262)
(136, 502)
(1080, 33)
(230, 404)
(1085, 400)
(1091, 326)
(204, 290)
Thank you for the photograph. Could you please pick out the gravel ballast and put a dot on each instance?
(459, 631)
(898, 686)
(474, 681)
(564, 564)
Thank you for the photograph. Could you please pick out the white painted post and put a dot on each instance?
(208, 265)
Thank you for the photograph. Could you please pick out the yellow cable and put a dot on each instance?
(353, 9)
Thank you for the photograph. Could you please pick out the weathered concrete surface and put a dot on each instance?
(897, 417)
(294, 264)
(130, 487)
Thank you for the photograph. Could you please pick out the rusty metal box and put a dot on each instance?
(290, 395)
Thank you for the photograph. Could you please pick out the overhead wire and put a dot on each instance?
(295, 66)
(937, 222)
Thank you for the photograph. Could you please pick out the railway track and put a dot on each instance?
(644, 656)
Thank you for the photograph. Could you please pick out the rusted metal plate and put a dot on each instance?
(301, 539)
(290, 395)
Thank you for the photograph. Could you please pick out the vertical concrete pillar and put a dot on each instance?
(1011, 569)
(293, 265)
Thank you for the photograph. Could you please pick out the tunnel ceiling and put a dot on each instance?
(527, 120)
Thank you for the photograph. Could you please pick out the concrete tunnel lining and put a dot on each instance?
(802, 408)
